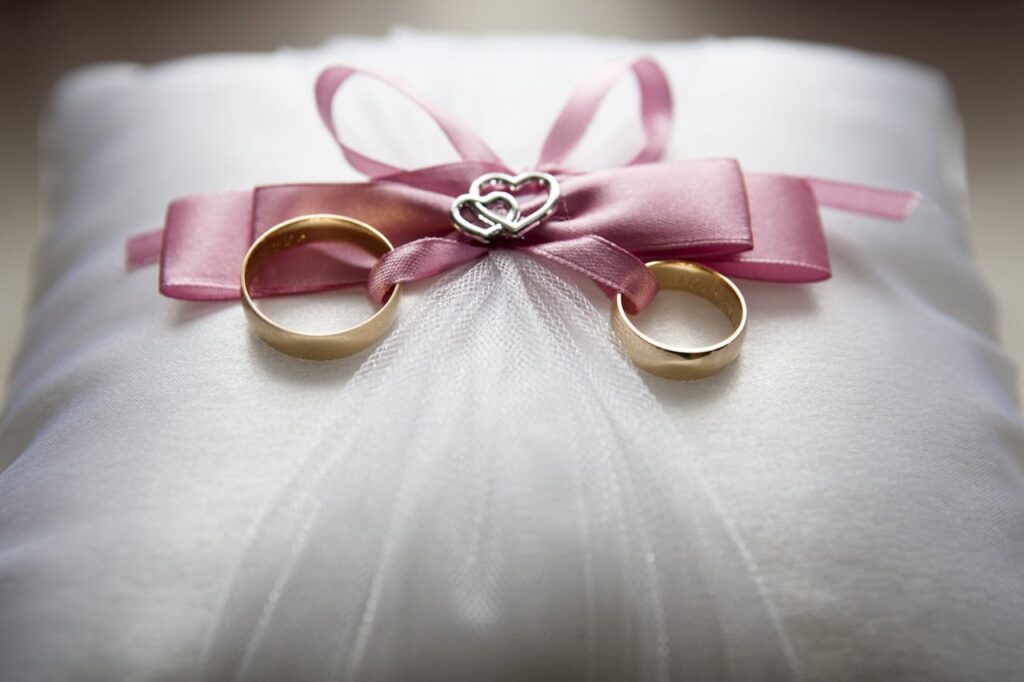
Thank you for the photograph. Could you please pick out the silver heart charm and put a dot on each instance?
(512, 223)
(492, 223)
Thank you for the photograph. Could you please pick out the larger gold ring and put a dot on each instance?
(310, 229)
(685, 363)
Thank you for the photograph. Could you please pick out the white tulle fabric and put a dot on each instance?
(497, 482)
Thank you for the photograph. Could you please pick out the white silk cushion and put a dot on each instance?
(867, 446)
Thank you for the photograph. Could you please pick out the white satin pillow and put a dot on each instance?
(867, 446)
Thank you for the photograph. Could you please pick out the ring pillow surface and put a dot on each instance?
(494, 492)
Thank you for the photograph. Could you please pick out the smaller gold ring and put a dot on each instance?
(309, 229)
(675, 362)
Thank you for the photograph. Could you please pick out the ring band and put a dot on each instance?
(685, 363)
(310, 229)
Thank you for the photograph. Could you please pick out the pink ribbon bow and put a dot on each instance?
(753, 225)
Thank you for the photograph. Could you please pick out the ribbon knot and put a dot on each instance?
(604, 224)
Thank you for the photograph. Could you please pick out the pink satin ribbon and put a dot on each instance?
(753, 225)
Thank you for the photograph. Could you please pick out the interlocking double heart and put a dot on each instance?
(492, 204)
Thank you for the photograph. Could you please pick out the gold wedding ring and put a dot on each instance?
(310, 229)
(675, 362)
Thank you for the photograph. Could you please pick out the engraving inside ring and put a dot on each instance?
(316, 312)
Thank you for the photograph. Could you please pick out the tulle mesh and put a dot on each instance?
(498, 496)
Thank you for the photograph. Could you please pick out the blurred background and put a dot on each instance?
(977, 44)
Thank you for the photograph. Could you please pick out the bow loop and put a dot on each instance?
(574, 120)
(468, 145)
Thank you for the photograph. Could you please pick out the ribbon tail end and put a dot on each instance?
(143, 249)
